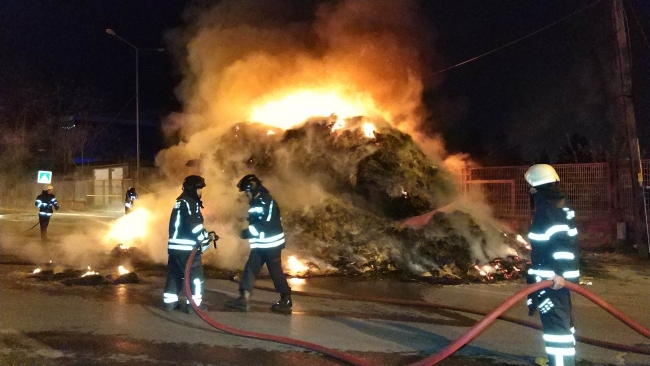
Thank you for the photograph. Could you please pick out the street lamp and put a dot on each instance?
(137, 100)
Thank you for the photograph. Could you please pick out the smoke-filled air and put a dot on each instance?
(325, 109)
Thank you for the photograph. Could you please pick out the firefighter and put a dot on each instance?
(266, 238)
(131, 196)
(45, 202)
(185, 231)
(554, 256)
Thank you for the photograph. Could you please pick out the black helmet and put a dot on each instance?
(250, 183)
(193, 182)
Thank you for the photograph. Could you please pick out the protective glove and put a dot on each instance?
(533, 303)
(558, 282)
(213, 237)
(205, 246)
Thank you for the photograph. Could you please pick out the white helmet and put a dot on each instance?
(539, 174)
(47, 187)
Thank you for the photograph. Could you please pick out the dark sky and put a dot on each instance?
(531, 94)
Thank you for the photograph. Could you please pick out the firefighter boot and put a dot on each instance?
(284, 305)
(240, 303)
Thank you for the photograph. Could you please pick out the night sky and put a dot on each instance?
(504, 108)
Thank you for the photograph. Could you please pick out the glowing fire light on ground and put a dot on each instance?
(482, 272)
(122, 270)
(298, 106)
(37, 270)
(89, 273)
(130, 227)
(295, 266)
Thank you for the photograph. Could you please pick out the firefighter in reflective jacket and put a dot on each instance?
(554, 256)
(185, 231)
(266, 238)
(129, 199)
(45, 202)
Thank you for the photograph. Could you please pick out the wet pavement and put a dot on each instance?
(49, 323)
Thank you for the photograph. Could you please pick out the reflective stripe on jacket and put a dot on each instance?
(553, 237)
(45, 203)
(265, 223)
(186, 224)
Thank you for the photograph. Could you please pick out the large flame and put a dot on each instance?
(296, 107)
(128, 228)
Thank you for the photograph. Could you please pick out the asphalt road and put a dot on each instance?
(48, 323)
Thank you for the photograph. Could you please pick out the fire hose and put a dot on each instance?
(31, 227)
(426, 304)
(431, 360)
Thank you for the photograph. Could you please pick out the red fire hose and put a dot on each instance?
(511, 319)
(431, 360)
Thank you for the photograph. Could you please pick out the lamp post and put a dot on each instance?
(137, 100)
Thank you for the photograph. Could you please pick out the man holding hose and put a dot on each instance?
(553, 238)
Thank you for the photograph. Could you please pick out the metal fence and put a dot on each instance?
(72, 194)
(594, 190)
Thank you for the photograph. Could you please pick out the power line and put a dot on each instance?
(515, 41)
(639, 24)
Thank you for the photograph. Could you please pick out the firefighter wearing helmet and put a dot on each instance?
(554, 256)
(129, 199)
(46, 202)
(266, 239)
(185, 231)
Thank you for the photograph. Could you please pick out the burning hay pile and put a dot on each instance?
(372, 179)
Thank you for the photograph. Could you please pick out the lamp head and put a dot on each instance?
(110, 31)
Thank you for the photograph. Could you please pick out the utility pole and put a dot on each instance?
(626, 111)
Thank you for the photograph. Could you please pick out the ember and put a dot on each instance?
(89, 273)
(121, 270)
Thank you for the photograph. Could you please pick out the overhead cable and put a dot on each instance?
(515, 41)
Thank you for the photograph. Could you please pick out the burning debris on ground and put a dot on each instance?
(87, 277)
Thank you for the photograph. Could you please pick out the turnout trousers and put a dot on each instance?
(555, 314)
(44, 221)
(176, 273)
(273, 260)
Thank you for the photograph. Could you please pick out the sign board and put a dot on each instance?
(44, 177)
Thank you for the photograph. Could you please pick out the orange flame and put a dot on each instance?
(298, 106)
(37, 270)
(295, 266)
(122, 270)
